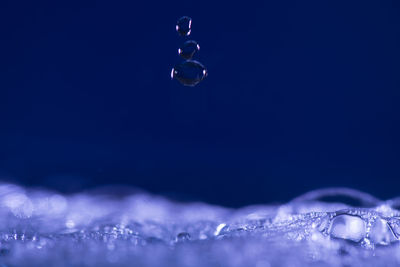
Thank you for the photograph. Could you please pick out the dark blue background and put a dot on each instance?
(300, 95)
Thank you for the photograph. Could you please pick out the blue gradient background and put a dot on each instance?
(300, 95)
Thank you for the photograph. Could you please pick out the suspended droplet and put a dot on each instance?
(189, 72)
(184, 25)
(188, 49)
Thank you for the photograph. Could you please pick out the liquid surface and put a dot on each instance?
(110, 228)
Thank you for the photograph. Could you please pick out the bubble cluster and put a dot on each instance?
(189, 72)
(44, 228)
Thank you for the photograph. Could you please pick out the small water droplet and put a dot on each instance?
(184, 25)
(188, 49)
(189, 72)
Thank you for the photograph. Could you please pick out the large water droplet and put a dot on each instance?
(189, 72)
(188, 49)
(184, 25)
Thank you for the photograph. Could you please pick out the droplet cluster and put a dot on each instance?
(189, 72)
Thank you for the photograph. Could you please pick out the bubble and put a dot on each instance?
(189, 72)
(381, 233)
(184, 25)
(348, 227)
(188, 49)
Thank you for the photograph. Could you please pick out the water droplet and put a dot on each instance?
(189, 72)
(188, 49)
(184, 25)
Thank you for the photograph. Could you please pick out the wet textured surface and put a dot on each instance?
(99, 228)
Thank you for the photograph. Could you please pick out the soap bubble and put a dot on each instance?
(188, 49)
(348, 227)
(189, 73)
(184, 25)
(381, 233)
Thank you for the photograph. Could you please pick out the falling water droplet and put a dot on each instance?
(188, 49)
(184, 25)
(189, 72)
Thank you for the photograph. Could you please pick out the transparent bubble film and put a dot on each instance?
(121, 227)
